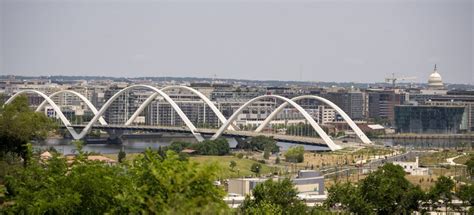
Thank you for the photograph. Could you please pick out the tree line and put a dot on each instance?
(207, 147)
(387, 191)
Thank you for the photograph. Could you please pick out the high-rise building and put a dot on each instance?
(351, 102)
(430, 119)
(125, 105)
(382, 103)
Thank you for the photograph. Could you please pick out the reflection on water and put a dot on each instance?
(65, 146)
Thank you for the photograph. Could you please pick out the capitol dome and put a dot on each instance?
(435, 81)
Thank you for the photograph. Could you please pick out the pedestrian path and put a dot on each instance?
(451, 161)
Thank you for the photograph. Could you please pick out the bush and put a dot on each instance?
(240, 155)
(232, 165)
(260, 143)
(121, 155)
(266, 154)
(256, 168)
(212, 147)
(295, 154)
(261, 161)
(178, 146)
(92, 187)
(274, 197)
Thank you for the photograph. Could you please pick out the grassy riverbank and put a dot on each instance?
(241, 169)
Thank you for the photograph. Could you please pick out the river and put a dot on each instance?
(136, 145)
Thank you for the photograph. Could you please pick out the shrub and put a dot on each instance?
(295, 154)
(256, 168)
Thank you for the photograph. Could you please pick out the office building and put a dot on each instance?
(430, 119)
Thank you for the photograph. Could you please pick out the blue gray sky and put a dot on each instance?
(333, 40)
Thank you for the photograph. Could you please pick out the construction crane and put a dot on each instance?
(394, 79)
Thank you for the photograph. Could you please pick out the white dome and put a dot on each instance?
(435, 77)
(435, 81)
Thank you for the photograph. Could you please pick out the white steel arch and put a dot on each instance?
(102, 110)
(346, 117)
(107, 104)
(83, 98)
(313, 123)
(56, 108)
(192, 90)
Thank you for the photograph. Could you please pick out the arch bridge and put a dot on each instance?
(227, 126)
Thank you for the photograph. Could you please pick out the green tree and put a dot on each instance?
(149, 184)
(55, 187)
(19, 125)
(277, 160)
(349, 197)
(212, 147)
(274, 197)
(256, 168)
(266, 154)
(295, 154)
(387, 189)
(170, 186)
(263, 208)
(260, 143)
(232, 165)
(442, 190)
(178, 146)
(470, 166)
(121, 155)
(466, 194)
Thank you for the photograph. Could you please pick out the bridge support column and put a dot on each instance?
(115, 135)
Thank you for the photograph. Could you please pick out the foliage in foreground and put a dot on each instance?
(387, 191)
(19, 125)
(150, 184)
(274, 197)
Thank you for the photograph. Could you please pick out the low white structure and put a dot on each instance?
(412, 167)
(307, 181)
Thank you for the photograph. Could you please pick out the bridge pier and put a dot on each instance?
(241, 141)
(115, 135)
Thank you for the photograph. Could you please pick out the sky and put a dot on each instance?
(343, 41)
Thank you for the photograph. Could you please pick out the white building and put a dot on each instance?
(307, 182)
(435, 82)
(412, 167)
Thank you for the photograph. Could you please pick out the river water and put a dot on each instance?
(137, 145)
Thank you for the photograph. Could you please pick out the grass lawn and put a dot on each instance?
(349, 156)
(463, 159)
(436, 157)
(243, 165)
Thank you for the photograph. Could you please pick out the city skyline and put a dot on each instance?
(316, 41)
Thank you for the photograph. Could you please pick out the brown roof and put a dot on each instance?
(46, 155)
(189, 151)
(100, 158)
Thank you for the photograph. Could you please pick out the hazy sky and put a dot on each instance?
(360, 41)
